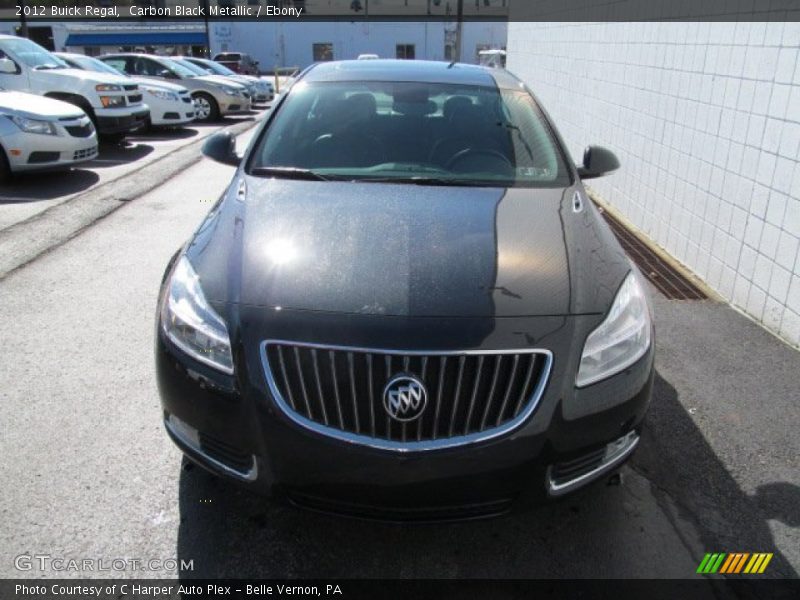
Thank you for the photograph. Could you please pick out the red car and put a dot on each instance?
(238, 61)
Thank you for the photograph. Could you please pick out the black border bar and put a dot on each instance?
(698, 588)
(418, 10)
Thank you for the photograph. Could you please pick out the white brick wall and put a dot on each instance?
(705, 118)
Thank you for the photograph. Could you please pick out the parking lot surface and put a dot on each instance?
(30, 194)
(89, 471)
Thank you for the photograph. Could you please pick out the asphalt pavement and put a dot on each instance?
(89, 472)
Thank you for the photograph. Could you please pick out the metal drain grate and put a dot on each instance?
(662, 275)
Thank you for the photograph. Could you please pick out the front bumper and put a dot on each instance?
(233, 427)
(33, 152)
(110, 121)
(234, 105)
(180, 114)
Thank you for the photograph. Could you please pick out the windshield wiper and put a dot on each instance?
(518, 131)
(288, 173)
(437, 181)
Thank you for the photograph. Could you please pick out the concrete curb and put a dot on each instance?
(658, 250)
(25, 241)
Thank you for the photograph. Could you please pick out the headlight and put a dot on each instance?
(106, 87)
(35, 126)
(162, 94)
(621, 339)
(112, 101)
(230, 91)
(191, 323)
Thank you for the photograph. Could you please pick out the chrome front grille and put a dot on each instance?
(471, 396)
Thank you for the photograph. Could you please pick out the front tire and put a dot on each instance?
(206, 108)
(5, 169)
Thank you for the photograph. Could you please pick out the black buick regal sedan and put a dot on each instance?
(404, 305)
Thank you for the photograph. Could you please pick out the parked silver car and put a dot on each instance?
(170, 105)
(261, 89)
(214, 97)
(38, 133)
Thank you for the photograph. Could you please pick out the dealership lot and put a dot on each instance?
(26, 196)
(89, 471)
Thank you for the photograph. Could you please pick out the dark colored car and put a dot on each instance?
(404, 306)
(239, 62)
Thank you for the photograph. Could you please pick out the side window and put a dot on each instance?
(117, 63)
(145, 66)
(18, 70)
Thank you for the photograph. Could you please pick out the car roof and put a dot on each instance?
(423, 71)
(136, 54)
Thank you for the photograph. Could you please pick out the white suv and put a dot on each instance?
(114, 104)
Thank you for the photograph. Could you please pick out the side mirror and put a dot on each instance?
(167, 74)
(221, 147)
(597, 161)
(8, 66)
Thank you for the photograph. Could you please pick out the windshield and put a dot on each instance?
(441, 134)
(178, 68)
(217, 68)
(33, 54)
(92, 64)
(190, 66)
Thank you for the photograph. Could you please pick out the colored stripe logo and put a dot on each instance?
(734, 563)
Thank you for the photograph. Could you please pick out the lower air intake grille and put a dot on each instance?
(85, 153)
(468, 396)
(402, 514)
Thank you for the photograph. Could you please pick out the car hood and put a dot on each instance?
(69, 75)
(407, 250)
(220, 80)
(160, 85)
(33, 106)
(242, 79)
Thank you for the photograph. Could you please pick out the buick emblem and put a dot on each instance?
(404, 398)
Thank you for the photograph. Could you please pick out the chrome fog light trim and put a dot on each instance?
(616, 452)
(190, 437)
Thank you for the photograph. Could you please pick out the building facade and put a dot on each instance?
(705, 118)
(275, 44)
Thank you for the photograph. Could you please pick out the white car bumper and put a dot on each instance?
(171, 112)
(75, 143)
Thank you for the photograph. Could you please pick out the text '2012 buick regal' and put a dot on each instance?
(404, 306)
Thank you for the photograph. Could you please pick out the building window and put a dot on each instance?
(405, 51)
(323, 52)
